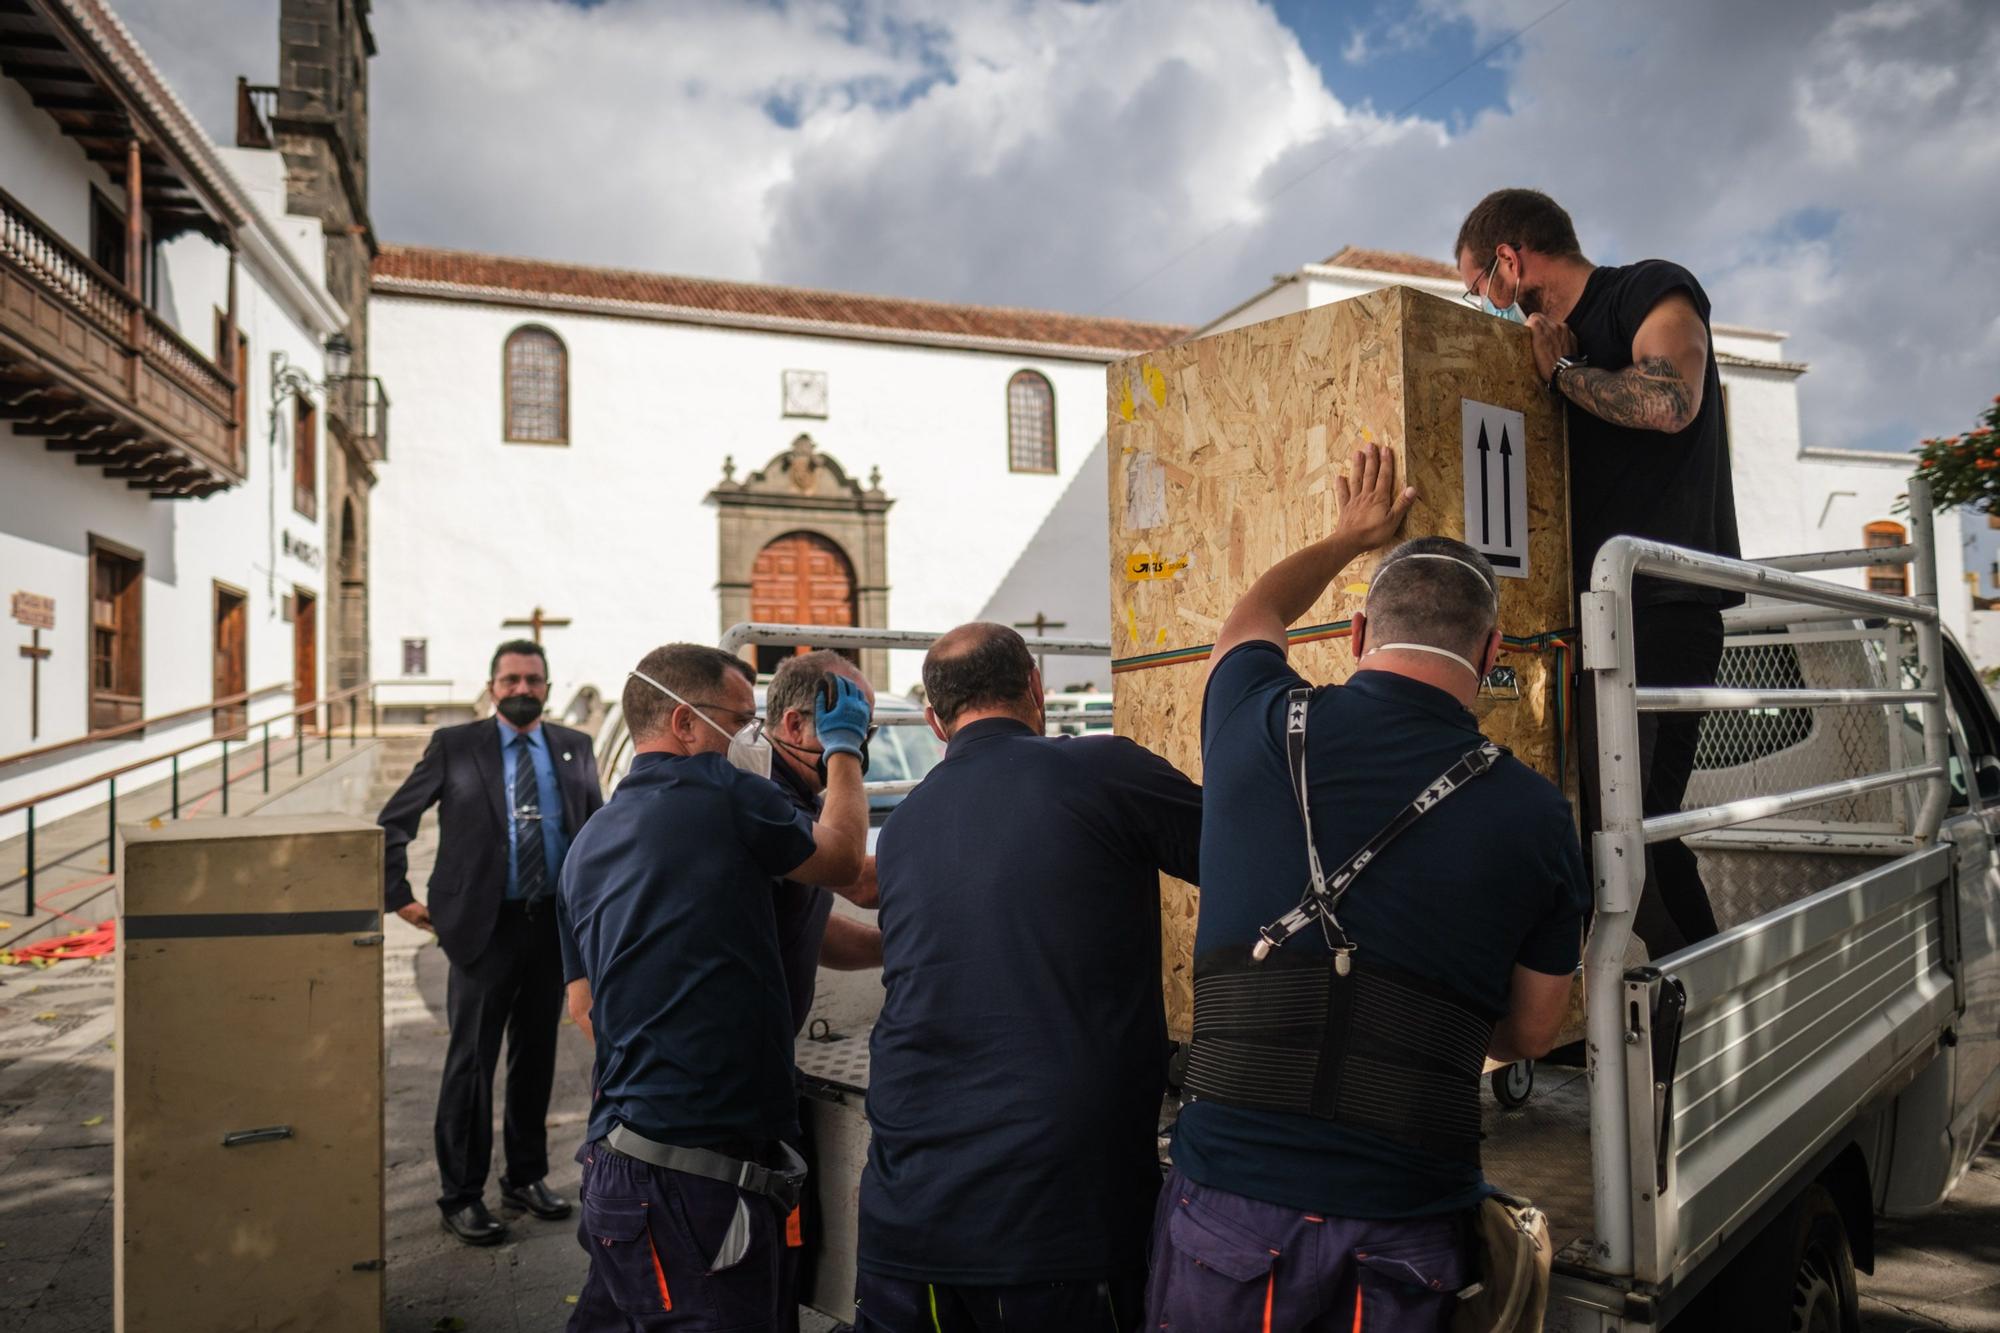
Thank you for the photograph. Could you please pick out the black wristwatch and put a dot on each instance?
(1562, 363)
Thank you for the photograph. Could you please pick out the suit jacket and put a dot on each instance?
(461, 774)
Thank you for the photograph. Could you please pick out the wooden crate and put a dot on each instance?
(250, 998)
(1223, 452)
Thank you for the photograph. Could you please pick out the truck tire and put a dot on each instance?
(1798, 1276)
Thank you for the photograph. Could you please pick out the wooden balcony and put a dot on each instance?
(87, 368)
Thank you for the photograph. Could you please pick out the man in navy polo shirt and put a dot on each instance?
(1018, 1063)
(1290, 1218)
(668, 904)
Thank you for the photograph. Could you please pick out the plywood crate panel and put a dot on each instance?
(1223, 453)
(250, 997)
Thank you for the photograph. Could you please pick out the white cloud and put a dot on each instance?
(1052, 153)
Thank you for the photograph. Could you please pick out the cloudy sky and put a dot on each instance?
(1828, 167)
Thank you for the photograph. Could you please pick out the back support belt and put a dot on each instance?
(1377, 1049)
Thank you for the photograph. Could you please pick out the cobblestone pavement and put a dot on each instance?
(1937, 1272)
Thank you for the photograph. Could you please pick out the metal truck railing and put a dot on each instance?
(748, 633)
(1775, 1010)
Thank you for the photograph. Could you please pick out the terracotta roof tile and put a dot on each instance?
(762, 303)
(1389, 261)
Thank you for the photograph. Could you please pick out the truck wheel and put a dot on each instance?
(1513, 1085)
(1798, 1276)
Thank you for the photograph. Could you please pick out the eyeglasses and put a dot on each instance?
(1474, 295)
(748, 716)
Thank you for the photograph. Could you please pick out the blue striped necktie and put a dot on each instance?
(531, 864)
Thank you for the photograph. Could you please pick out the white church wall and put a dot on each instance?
(461, 537)
(50, 509)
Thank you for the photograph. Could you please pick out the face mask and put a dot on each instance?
(520, 709)
(748, 750)
(818, 756)
(1512, 313)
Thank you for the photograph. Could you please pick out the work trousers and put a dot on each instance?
(1675, 644)
(1222, 1261)
(652, 1235)
(514, 990)
(903, 1305)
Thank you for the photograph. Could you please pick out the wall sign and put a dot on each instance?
(300, 550)
(34, 610)
(1495, 447)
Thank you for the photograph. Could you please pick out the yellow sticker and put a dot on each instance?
(1357, 589)
(1156, 382)
(1143, 565)
(1368, 435)
(1132, 623)
(1125, 400)
(1161, 639)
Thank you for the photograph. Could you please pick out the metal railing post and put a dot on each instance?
(267, 756)
(374, 714)
(353, 718)
(1618, 853)
(111, 828)
(326, 725)
(31, 860)
(176, 784)
(299, 743)
(1930, 655)
(225, 775)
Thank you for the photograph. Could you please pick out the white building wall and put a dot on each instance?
(50, 508)
(610, 531)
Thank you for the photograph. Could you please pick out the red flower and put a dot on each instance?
(1928, 462)
(1986, 464)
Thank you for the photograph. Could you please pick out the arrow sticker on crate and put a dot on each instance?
(1494, 445)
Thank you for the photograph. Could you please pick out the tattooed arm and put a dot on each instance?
(1661, 389)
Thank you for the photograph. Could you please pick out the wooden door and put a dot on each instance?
(305, 654)
(232, 629)
(800, 579)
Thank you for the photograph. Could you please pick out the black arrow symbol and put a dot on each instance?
(1507, 488)
(1485, 500)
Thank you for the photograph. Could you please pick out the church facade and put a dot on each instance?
(611, 460)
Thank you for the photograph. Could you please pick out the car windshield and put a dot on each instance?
(902, 754)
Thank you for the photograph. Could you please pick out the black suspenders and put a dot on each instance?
(1324, 892)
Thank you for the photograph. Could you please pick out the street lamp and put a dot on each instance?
(339, 355)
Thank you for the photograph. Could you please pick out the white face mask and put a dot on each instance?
(748, 750)
(1424, 648)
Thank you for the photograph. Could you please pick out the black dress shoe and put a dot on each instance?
(475, 1225)
(537, 1198)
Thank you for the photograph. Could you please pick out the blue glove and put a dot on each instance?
(840, 717)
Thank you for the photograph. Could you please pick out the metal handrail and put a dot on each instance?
(1619, 846)
(351, 696)
(126, 728)
(748, 632)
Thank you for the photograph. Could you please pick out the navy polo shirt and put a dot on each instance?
(1019, 1060)
(802, 908)
(1490, 878)
(667, 897)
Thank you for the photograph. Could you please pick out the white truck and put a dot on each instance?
(1753, 1102)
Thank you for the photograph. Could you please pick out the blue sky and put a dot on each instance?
(1392, 54)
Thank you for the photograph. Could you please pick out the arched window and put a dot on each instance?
(537, 387)
(1031, 423)
(1892, 579)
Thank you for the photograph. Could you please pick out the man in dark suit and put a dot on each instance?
(511, 791)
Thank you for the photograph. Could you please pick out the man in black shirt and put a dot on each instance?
(1629, 348)
(1017, 1068)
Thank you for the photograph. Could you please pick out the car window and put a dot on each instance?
(902, 754)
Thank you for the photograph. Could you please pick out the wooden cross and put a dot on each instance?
(1041, 625)
(36, 654)
(537, 621)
